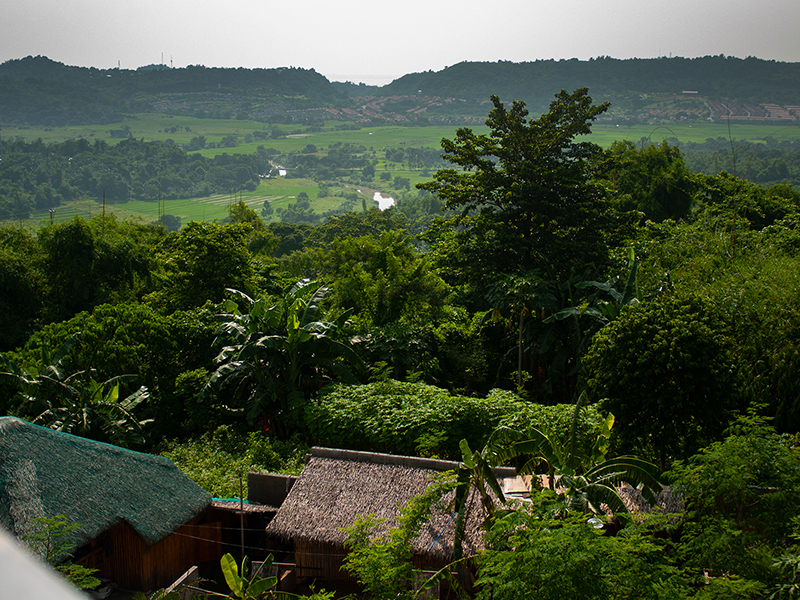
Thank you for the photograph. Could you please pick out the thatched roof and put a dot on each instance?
(337, 486)
(667, 501)
(46, 473)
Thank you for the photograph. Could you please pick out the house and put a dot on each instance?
(337, 486)
(142, 521)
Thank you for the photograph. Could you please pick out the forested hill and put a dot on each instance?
(725, 78)
(40, 91)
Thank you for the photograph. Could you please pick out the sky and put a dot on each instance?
(377, 42)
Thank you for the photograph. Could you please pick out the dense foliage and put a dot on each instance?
(664, 300)
(35, 176)
(37, 90)
(418, 419)
(217, 460)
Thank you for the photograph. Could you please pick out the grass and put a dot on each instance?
(153, 127)
(279, 192)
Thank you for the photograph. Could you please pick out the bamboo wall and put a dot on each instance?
(323, 561)
(319, 560)
(123, 557)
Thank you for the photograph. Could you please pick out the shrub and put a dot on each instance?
(417, 419)
(216, 460)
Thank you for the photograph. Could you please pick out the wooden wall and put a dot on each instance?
(123, 557)
(318, 560)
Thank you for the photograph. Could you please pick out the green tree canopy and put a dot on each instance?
(663, 368)
(523, 192)
(652, 179)
(201, 261)
(385, 279)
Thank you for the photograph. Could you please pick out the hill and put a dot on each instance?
(39, 91)
(746, 80)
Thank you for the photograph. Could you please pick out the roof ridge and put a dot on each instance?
(414, 462)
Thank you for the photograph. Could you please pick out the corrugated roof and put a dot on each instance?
(44, 472)
(337, 486)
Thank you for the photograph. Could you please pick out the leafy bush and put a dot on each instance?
(664, 370)
(418, 419)
(741, 500)
(216, 460)
(534, 555)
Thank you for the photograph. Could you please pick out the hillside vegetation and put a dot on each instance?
(39, 91)
(587, 314)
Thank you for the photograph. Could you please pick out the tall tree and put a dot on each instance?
(523, 192)
(201, 260)
(652, 179)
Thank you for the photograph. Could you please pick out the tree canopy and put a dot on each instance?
(523, 193)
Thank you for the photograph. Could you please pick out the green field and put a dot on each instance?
(282, 191)
(279, 192)
(153, 127)
(605, 135)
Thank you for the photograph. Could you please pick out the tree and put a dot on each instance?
(22, 286)
(586, 479)
(239, 212)
(132, 338)
(69, 265)
(50, 539)
(534, 552)
(281, 354)
(741, 503)
(401, 183)
(653, 179)
(664, 369)
(385, 279)
(76, 403)
(201, 261)
(522, 192)
(368, 172)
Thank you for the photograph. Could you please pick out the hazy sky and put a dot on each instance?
(376, 42)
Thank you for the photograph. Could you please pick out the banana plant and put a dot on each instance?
(77, 403)
(600, 309)
(585, 480)
(278, 354)
(242, 586)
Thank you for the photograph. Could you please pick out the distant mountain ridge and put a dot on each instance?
(724, 76)
(38, 90)
(228, 92)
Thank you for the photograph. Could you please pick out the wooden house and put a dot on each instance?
(338, 486)
(142, 521)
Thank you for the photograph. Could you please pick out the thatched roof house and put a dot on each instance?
(337, 486)
(128, 504)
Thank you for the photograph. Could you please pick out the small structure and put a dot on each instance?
(337, 486)
(244, 522)
(142, 520)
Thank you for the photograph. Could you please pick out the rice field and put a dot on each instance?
(281, 192)
(181, 130)
(278, 192)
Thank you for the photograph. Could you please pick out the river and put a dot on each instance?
(384, 202)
